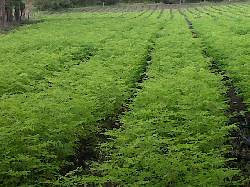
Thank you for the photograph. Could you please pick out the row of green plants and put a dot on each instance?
(228, 42)
(176, 131)
(75, 72)
(34, 55)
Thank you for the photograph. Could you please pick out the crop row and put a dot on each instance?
(228, 42)
(40, 129)
(228, 46)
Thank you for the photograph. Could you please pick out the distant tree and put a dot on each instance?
(2, 12)
(11, 10)
(28, 8)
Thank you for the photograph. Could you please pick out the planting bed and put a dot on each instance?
(127, 96)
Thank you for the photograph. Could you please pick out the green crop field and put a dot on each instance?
(152, 97)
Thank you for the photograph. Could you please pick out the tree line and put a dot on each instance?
(57, 4)
(14, 10)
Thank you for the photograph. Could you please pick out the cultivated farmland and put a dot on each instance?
(155, 96)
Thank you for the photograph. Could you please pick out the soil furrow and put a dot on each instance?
(201, 11)
(194, 13)
(141, 14)
(161, 12)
